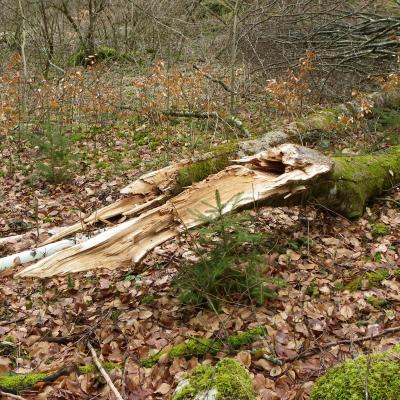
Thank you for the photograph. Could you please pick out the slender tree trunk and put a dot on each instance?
(233, 54)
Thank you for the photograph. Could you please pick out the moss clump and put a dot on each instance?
(377, 302)
(91, 368)
(347, 381)
(203, 346)
(14, 383)
(373, 279)
(147, 299)
(192, 347)
(195, 347)
(227, 380)
(248, 337)
(380, 229)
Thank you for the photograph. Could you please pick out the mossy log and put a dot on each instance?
(376, 374)
(285, 175)
(14, 383)
(356, 180)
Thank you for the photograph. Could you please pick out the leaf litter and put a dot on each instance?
(130, 314)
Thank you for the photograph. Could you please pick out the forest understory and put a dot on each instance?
(103, 94)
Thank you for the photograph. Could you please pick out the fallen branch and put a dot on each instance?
(232, 120)
(104, 373)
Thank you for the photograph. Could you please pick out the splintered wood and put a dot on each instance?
(144, 193)
(279, 171)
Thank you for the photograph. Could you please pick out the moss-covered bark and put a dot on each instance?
(353, 182)
(14, 383)
(356, 180)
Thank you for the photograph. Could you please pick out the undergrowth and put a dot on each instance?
(229, 264)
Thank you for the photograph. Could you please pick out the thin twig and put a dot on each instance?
(104, 373)
(12, 321)
(11, 396)
(315, 350)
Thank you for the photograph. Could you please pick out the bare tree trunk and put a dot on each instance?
(233, 53)
(23, 40)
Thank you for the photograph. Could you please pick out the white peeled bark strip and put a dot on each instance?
(36, 254)
(145, 192)
(275, 172)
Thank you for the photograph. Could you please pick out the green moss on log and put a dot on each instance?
(220, 158)
(355, 180)
(372, 279)
(14, 383)
(347, 381)
(227, 380)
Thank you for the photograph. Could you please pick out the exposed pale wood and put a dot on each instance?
(145, 192)
(275, 172)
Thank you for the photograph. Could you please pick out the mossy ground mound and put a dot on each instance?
(226, 381)
(203, 346)
(347, 381)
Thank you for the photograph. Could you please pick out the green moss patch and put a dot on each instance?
(355, 180)
(246, 338)
(14, 383)
(17, 382)
(227, 380)
(380, 229)
(202, 346)
(373, 279)
(347, 381)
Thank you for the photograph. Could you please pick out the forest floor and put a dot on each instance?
(339, 280)
(129, 313)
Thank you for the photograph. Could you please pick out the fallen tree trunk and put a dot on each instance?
(276, 176)
(279, 171)
(160, 185)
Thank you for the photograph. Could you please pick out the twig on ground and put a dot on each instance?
(104, 373)
(315, 350)
(12, 321)
(390, 200)
(11, 396)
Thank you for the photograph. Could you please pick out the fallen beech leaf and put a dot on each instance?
(164, 388)
(276, 371)
(244, 357)
(346, 311)
(146, 314)
(4, 365)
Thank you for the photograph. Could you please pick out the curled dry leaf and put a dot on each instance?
(164, 388)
